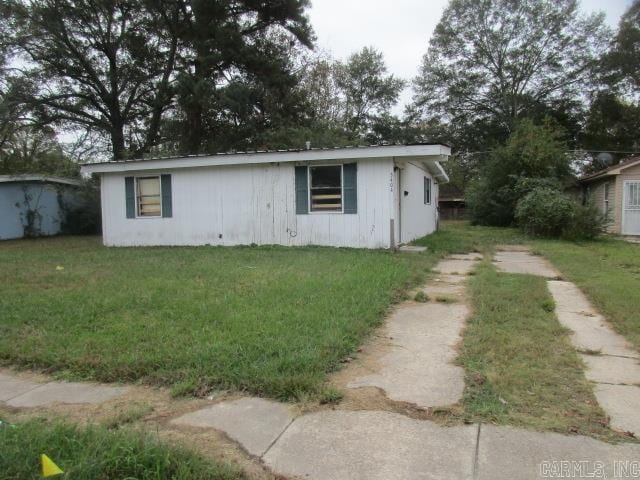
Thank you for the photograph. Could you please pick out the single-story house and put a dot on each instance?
(33, 205)
(367, 197)
(616, 191)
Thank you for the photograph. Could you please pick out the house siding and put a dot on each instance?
(597, 196)
(250, 204)
(417, 219)
(631, 173)
(16, 199)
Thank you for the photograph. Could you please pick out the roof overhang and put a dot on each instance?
(609, 172)
(26, 178)
(434, 152)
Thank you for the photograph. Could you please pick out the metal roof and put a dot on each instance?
(254, 152)
(26, 178)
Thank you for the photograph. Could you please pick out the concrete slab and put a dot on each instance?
(11, 387)
(66, 392)
(434, 289)
(507, 453)
(449, 279)
(418, 367)
(253, 422)
(569, 298)
(459, 267)
(412, 249)
(622, 404)
(525, 263)
(608, 369)
(465, 256)
(591, 330)
(347, 445)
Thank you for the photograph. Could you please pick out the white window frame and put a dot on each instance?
(335, 212)
(424, 192)
(605, 197)
(135, 186)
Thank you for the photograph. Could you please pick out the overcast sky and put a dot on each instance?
(399, 28)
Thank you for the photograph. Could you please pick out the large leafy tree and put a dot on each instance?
(232, 42)
(493, 62)
(99, 65)
(622, 63)
(367, 89)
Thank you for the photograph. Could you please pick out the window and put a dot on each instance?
(148, 197)
(325, 188)
(606, 197)
(633, 195)
(427, 191)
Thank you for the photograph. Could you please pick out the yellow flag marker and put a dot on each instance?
(49, 469)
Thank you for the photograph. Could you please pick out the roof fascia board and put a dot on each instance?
(270, 157)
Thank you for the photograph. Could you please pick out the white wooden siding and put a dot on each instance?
(416, 218)
(245, 204)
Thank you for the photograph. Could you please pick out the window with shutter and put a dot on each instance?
(148, 197)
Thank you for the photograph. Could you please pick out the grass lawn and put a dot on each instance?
(608, 271)
(269, 320)
(95, 453)
(521, 367)
(460, 237)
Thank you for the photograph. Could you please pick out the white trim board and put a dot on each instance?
(423, 153)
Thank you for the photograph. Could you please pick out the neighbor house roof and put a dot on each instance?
(434, 151)
(612, 170)
(23, 178)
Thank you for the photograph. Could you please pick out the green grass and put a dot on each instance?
(269, 320)
(608, 271)
(95, 453)
(460, 237)
(521, 368)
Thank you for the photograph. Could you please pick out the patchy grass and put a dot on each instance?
(608, 272)
(461, 237)
(521, 368)
(421, 297)
(97, 453)
(269, 320)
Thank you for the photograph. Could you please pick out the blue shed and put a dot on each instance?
(34, 205)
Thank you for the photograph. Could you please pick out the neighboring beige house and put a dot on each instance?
(616, 190)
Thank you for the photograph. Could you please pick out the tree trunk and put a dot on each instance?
(117, 142)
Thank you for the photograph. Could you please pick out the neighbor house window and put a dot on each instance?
(325, 188)
(427, 191)
(148, 197)
(606, 197)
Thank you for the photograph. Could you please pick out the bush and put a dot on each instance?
(550, 213)
(82, 211)
(533, 155)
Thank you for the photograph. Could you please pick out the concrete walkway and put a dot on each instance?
(610, 362)
(20, 393)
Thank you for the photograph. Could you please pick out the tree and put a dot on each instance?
(491, 62)
(368, 91)
(533, 156)
(35, 150)
(101, 65)
(621, 64)
(230, 41)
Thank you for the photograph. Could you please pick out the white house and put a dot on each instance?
(368, 197)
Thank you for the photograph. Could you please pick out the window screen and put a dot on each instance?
(148, 196)
(325, 188)
(427, 191)
(633, 195)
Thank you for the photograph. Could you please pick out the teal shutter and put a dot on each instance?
(167, 206)
(302, 191)
(130, 196)
(350, 187)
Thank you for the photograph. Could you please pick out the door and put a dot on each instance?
(631, 208)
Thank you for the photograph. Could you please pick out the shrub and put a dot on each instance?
(548, 212)
(82, 212)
